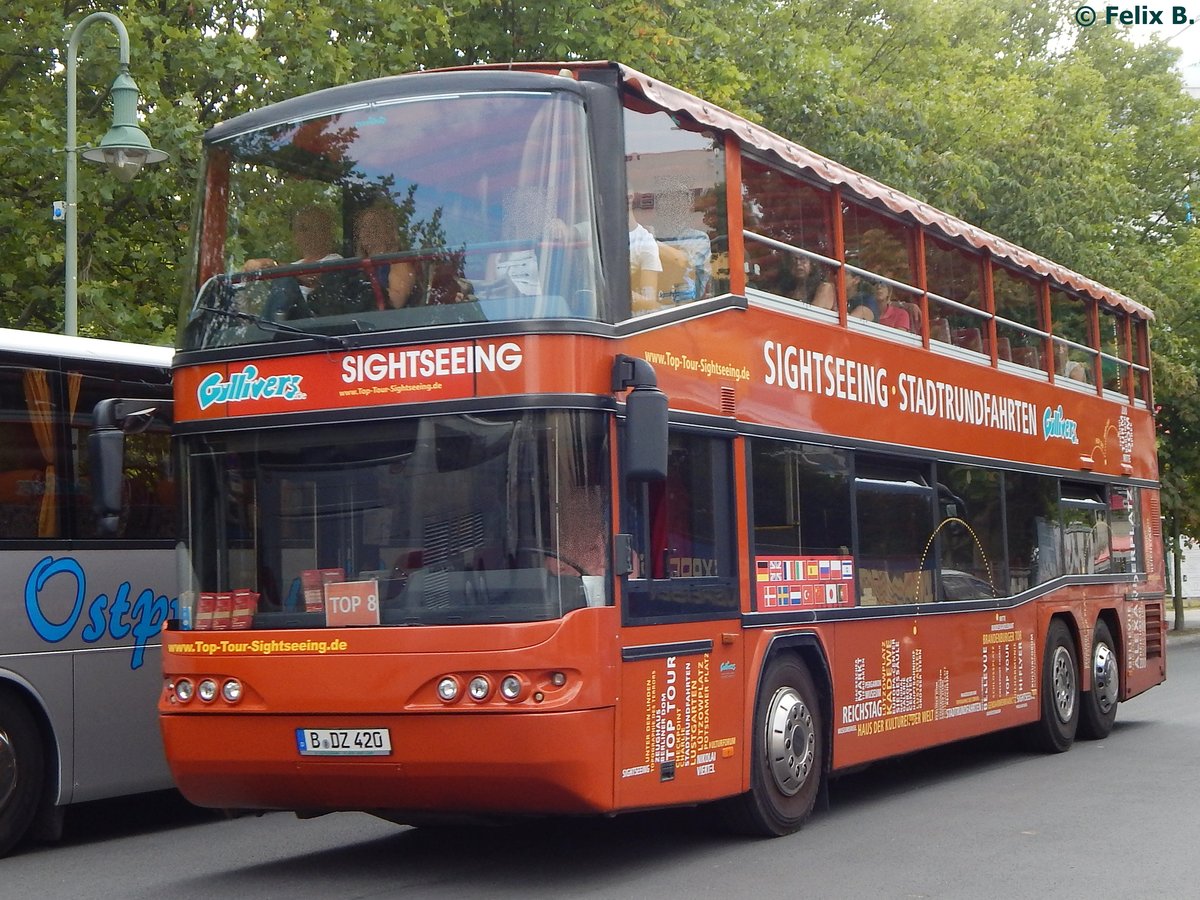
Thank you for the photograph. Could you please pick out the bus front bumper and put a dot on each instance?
(455, 764)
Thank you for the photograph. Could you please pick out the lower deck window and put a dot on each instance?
(833, 528)
(460, 519)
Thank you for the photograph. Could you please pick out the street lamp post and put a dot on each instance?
(124, 149)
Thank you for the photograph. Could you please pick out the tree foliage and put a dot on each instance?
(196, 64)
(1077, 144)
(1073, 142)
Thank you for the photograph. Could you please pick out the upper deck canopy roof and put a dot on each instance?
(868, 188)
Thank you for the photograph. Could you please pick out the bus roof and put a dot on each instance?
(64, 346)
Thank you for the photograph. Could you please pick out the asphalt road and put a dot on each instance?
(982, 819)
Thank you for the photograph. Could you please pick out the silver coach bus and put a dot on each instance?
(80, 610)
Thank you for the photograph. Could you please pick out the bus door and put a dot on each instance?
(682, 667)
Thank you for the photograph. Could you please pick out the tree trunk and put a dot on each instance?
(1177, 564)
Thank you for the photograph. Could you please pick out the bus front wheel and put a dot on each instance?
(21, 770)
(1055, 731)
(1098, 711)
(788, 753)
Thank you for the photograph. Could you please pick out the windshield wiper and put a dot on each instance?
(278, 327)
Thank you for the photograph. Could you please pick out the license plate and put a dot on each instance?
(344, 741)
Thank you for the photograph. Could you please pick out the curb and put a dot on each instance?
(1189, 635)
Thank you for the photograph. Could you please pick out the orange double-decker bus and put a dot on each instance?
(556, 442)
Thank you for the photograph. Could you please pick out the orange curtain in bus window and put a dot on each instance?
(74, 380)
(41, 416)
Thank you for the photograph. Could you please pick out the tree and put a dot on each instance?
(1074, 143)
(196, 65)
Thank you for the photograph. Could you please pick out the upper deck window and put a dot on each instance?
(675, 176)
(1074, 358)
(879, 269)
(957, 312)
(792, 215)
(428, 210)
(1115, 349)
(1019, 318)
(1141, 359)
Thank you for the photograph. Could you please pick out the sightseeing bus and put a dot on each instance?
(82, 606)
(555, 442)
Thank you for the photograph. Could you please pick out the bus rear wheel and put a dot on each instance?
(21, 771)
(788, 753)
(1055, 731)
(1098, 710)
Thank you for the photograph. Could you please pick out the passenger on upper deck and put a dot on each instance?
(529, 223)
(685, 250)
(313, 239)
(893, 312)
(645, 264)
(377, 233)
(539, 261)
(1067, 367)
(804, 280)
(825, 296)
(880, 252)
(861, 302)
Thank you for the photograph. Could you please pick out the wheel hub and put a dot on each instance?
(1105, 679)
(790, 741)
(1064, 684)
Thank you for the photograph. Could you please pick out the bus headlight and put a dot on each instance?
(207, 690)
(184, 690)
(231, 690)
(447, 689)
(511, 688)
(479, 688)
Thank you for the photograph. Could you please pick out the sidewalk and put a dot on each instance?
(1191, 620)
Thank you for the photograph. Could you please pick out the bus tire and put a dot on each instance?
(788, 753)
(1055, 731)
(1098, 707)
(21, 770)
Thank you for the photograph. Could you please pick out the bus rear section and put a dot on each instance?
(82, 608)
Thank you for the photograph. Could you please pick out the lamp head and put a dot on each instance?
(125, 148)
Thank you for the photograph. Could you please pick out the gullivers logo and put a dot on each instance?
(1057, 425)
(246, 385)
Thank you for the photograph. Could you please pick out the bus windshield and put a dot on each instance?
(457, 519)
(415, 212)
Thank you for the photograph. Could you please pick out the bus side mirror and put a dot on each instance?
(645, 419)
(112, 419)
(106, 454)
